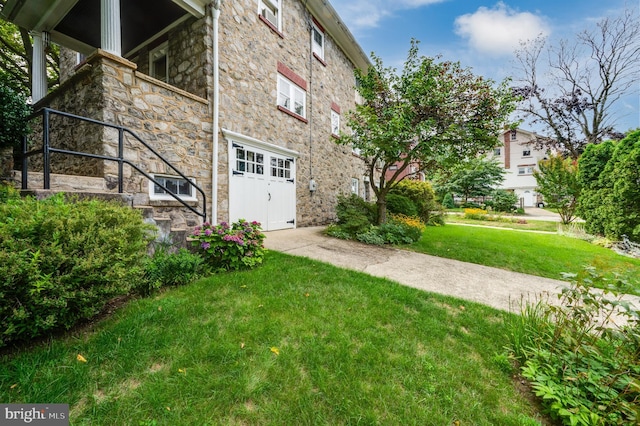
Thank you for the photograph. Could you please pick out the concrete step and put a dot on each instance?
(63, 182)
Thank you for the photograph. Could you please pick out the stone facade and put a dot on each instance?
(107, 88)
(176, 117)
(250, 51)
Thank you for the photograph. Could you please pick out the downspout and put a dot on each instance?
(215, 12)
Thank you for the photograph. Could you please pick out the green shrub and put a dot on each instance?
(423, 197)
(400, 204)
(8, 192)
(504, 201)
(235, 247)
(585, 369)
(395, 232)
(372, 236)
(447, 201)
(355, 215)
(61, 262)
(165, 268)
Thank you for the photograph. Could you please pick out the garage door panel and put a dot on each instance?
(262, 187)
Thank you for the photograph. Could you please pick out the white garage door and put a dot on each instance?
(262, 186)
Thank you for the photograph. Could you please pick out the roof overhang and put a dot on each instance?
(76, 23)
(327, 16)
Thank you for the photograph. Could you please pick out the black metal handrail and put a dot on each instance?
(47, 149)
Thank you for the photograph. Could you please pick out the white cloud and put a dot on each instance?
(499, 31)
(361, 14)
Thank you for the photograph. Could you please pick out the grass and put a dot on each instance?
(292, 342)
(545, 255)
(507, 222)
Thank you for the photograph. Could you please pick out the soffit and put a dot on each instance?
(333, 24)
(79, 20)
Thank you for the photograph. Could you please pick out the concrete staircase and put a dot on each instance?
(173, 229)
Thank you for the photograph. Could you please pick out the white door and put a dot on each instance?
(262, 187)
(528, 199)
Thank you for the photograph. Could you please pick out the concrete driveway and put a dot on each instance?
(489, 286)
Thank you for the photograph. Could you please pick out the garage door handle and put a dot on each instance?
(269, 196)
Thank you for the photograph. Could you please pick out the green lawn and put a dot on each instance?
(507, 222)
(545, 255)
(292, 342)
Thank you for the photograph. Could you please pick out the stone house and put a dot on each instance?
(244, 98)
(519, 156)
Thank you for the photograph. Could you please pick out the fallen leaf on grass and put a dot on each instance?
(81, 358)
(275, 350)
(182, 370)
(13, 386)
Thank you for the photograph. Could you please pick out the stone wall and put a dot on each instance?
(176, 118)
(189, 56)
(249, 55)
(80, 93)
(175, 123)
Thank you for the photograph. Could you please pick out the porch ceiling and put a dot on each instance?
(76, 23)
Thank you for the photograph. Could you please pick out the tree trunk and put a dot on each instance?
(382, 209)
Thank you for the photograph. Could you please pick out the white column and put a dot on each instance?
(38, 68)
(110, 26)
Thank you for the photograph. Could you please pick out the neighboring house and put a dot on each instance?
(244, 97)
(411, 172)
(520, 158)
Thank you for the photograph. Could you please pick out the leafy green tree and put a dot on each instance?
(611, 201)
(433, 114)
(558, 183)
(13, 113)
(595, 185)
(474, 177)
(16, 51)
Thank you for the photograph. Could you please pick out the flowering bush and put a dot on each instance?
(477, 214)
(413, 222)
(231, 247)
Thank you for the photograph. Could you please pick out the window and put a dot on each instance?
(355, 186)
(335, 123)
(291, 97)
(317, 41)
(526, 152)
(281, 167)
(80, 58)
(177, 185)
(496, 152)
(525, 170)
(248, 161)
(270, 11)
(514, 135)
(393, 167)
(159, 62)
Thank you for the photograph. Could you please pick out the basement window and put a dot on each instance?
(177, 185)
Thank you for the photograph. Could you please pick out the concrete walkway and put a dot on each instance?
(489, 286)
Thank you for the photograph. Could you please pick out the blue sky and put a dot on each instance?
(479, 34)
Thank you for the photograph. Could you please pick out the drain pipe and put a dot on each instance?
(215, 13)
